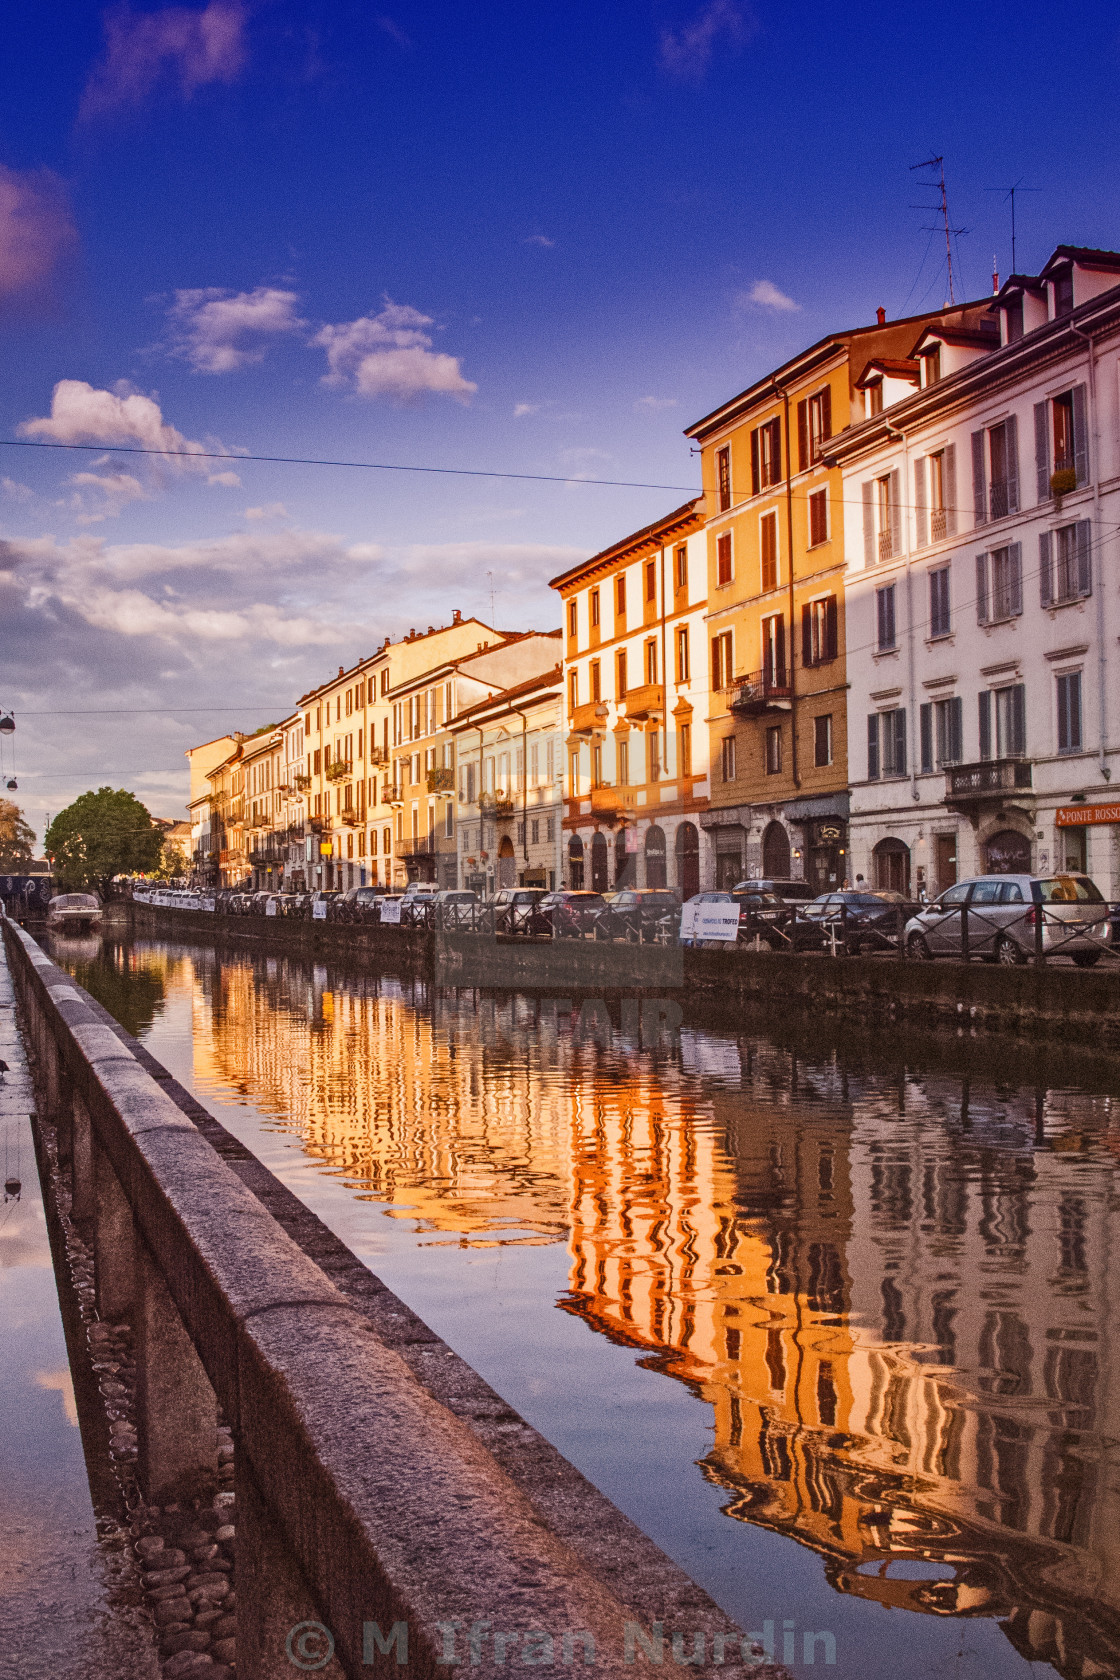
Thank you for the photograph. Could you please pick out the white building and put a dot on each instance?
(509, 750)
(982, 612)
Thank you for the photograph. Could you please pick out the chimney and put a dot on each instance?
(342, 670)
(881, 316)
(995, 277)
(456, 617)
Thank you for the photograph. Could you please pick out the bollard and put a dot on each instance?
(176, 1409)
(114, 1242)
(1039, 932)
(280, 1601)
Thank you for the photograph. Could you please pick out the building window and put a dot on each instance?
(721, 660)
(651, 580)
(653, 756)
(651, 661)
(620, 595)
(1063, 293)
(814, 427)
(774, 750)
(939, 621)
(822, 740)
(550, 829)
(682, 566)
(573, 690)
(1069, 713)
(596, 680)
(999, 584)
(942, 732)
(774, 651)
(684, 670)
(534, 831)
(818, 518)
(768, 545)
(1065, 569)
(886, 744)
(942, 475)
(819, 632)
(885, 499)
(595, 607)
(723, 479)
(931, 365)
(766, 456)
(573, 775)
(623, 762)
(448, 821)
(885, 634)
(875, 397)
(573, 619)
(1003, 450)
(727, 758)
(620, 672)
(685, 739)
(597, 765)
(723, 558)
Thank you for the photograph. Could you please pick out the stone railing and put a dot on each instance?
(394, 1505)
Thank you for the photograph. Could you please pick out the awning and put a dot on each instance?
(825, 805)
(731, 816)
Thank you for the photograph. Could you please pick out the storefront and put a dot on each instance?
(824, 847)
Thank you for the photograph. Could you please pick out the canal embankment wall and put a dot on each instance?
(378, 1478)
(1062, 1006)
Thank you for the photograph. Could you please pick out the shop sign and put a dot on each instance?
(1078, 816)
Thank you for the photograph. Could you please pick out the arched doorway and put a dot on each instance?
(625, 861)
(891, 859)
(656, 874)
(575, 862)
(598, 861)
(1007, 853)
(775, 853)
(688, 860)
(507, 863)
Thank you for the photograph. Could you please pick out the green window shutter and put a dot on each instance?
(985, 709)
(925, 721)
(873, 747)
(981, 589)
(1080, 436)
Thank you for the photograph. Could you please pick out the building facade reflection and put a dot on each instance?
(894, 1291)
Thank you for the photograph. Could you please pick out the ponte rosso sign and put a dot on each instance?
(1077, 816)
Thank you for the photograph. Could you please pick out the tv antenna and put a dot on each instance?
(1009, 193)
(941, 208)
(490, 575)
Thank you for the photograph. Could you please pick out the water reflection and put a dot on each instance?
(893, 1289)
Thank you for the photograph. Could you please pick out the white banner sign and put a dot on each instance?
(319, 910)
(710, 921)
(391, 910)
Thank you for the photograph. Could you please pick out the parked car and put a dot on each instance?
(418, 896)
(852, 922)
(1003, 915)
(513, 908)
(455, 907)
(640, 915)
(566, 914)
(790, 892)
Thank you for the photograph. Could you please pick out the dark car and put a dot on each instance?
(790, 892)
(566, 915)
(641, 915)
(849, 923)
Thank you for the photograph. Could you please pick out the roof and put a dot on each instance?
(894, 368)
(502, 700)
(1087, 255)
(970, 337)
(648, 535)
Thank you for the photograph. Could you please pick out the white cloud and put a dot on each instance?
(111, 492)
(130, 612)
(687, 52)
(228, 480)
(520, 410)
(390, 355)
(18, 492)
(218, 331)
(36, 228)
(191, 48)
(273, 510)
(765, 295)
(654, 405)
(541, 239)
(81, 414)
(461, 563)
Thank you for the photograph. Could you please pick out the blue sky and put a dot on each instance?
(540, 240)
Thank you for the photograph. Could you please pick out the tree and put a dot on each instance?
(16, 839)
(102, 835)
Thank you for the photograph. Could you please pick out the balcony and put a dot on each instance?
(378, 755)
(886, 545)
(589, 719)
(301, 783)
(318, 825)
(441, 781)
(496, 805)
(611, 802)
(999, 500)
(939, 525)
(763, 691)
(968, 785)
(645, 702)
(339, 770)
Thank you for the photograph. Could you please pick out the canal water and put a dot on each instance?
(835, 1319)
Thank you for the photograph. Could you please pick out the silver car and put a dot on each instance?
(1002, 914)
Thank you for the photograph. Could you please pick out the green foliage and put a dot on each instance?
(102, 835)
(16, 839)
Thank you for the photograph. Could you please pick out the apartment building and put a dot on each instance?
(636, 700)
(773, 514)
(202, 759)
(229, 865)
(426, 708)
(348, 729)
(982, 626)
(510, 754)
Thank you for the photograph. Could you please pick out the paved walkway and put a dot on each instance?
(64, 1609)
